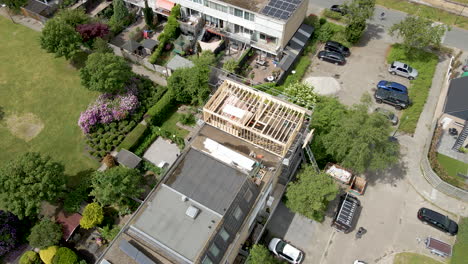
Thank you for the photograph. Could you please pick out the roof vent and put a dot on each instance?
(184, 198)
(192, 212)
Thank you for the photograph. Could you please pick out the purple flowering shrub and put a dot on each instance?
(9, 224)
(108, 108)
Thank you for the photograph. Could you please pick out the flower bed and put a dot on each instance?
(107, 121)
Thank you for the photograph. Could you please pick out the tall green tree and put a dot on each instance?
(361, 141)
(357, 13)
(105, 72)
(310, 194)
(65, 256)
(301, 94)
(60, 38)
(73, 17)
(45, 233)
(27, 181)
(149, 15)
(93, 215)
(259, 254)
(115, 185)
(418, 32)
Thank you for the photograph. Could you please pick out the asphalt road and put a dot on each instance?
(457, 37)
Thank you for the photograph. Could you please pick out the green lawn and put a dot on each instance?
(428, 12)
(170, 125)
(34, 82)
(460, 249)
(413, 258)
(425, 63)
(452, 166)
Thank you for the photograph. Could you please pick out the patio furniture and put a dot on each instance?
(260, 62)
(270, 78)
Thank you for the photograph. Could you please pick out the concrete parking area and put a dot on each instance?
(389, 208)
(364, 68)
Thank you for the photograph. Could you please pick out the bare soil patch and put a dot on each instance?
(24, 126)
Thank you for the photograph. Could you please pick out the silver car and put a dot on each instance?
(403, 70)
(388, 114)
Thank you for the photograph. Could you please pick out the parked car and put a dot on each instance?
(438, 220)
(402, 69)
(388, 114)
(285, 251)
(338, 9)
(398, 100)
(337, 47)
(331, 56)
(392, 86)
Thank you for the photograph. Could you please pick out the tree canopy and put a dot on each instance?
(60, 38)
(115, 185)
(149, 15)
(352, 137)
(357, 12)
(418, 32)
(65, 256)
(190, 85)
(92, 216)
(301, 94)
(44, 234)
(259, 254)
(91, 31)
(9, 236)
(28, 180)
(73, 17)
(310, 193)
(105, 72)
(30, 257)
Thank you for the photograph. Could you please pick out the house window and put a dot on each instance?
(197, 1)
(262, 36)
(214, 250)
(216, 6)
(248, 196)
(207, 260)
(238, 213)
(249, 16)
(224, 234)
(248, 31)
(238, 12)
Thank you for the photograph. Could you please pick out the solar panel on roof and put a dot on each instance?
(281, 9)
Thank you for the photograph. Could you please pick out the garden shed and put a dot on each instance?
(69, 222)
(127, 159)
(177, 62)
(182, 44)
(133, 47)
(149, 44)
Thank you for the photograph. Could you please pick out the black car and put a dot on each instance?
(398, 100)
(331, 56)
(338, 9)
(337, 47)
(438, 220)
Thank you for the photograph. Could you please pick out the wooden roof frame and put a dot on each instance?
(281, 120)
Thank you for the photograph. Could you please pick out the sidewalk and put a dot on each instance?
(37, 26)
(412, 149)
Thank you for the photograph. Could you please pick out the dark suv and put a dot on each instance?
(437, 220)
(398, 100)
(331, 56)
(337, 47)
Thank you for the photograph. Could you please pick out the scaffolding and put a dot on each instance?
(257, 117)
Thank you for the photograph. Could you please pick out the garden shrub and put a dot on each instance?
(132, 138)
(301, 67)
(92, 216)
(146, 140)
(325, 32)
(169, 32)
(158, 113)
(9, 225)
(30, 257)
(109, 233)
(187, 119)
(354, 31)
(48, 254)
(332, 14)
(65, 256)
(76, 197)
(45, 234)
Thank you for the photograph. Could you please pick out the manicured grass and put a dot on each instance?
(460, 249)
(413, 258)
(33, 81)
(452, 166)
(425, 63)
(428, 12)
(171, 125)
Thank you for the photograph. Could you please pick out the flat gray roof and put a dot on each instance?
(165, 221)
(177, 62)
(207, 180)
(127, 159)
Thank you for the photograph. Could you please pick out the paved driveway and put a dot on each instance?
(364, 68)
(389, 208)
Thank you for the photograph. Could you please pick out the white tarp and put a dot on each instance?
(234, 111)
(227, 155)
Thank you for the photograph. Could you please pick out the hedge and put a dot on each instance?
(30, 257)
(332, 14)
(301, 67)
(48, 254)
(157, 113)
(132, 138)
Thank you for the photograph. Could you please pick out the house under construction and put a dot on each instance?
(259, 118)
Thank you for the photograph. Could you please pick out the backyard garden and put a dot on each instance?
(41, 98)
